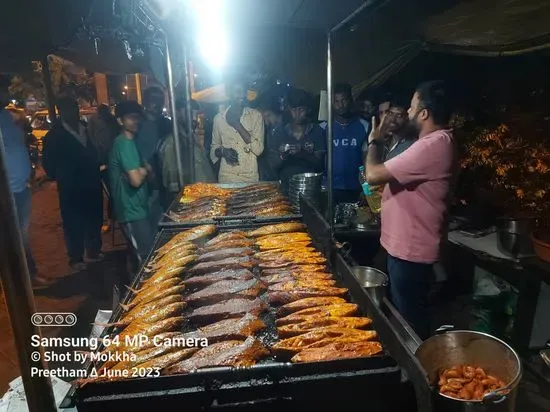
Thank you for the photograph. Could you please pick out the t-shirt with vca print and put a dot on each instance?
(347, 153)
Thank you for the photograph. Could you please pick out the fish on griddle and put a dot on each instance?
(222, 254)
(288, 227)
(229, 353)
(144, 310)
(229, 329)
(229, 244)
(230, 274)
(226, 289)
(167, 359)
(152, 316)
(308, 303)
(229, 263)
(222, 237)
(273, 280)
(310, 314)
(281, 298)
(153, 295)
(285, 276)
(231, 308)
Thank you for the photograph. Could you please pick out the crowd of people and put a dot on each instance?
(404, 144)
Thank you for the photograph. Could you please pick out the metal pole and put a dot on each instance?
(138, 88)
(18, 295)
(50, 97)
(329, 133)
(172, 96)
(188, 112)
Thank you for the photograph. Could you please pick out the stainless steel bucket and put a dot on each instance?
(373, 280)
(451, 348)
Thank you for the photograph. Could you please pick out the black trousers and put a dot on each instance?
(82, 215)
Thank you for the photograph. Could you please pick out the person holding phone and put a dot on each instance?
(237, 138)
(300, 146)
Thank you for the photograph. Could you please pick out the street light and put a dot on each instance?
(212, 34)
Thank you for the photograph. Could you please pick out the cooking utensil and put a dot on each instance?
(449, 348)
(514, 236)
(373, 280)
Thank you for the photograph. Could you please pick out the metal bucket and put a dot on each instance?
(373, 280)
(450, 348)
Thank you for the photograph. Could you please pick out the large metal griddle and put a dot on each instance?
(267, 381)
(230, 220)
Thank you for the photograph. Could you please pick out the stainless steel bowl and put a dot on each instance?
(515, 245)
(373, 280)
(464, 347)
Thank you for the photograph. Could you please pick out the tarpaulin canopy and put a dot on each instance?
(490, 27)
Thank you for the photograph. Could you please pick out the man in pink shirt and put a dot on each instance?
(414, 202)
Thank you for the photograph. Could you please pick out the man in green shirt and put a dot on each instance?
(129, 176)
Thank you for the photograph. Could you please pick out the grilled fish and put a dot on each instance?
(229, 244)
(230, 274)
(166, 273)
(289, 276)
(335, 322)
(168, 359)
(157, 315)
(173, 262)
(229, 263)
(147, 308)
(229, 329)
(338, 350)
(151, 329)
(231, 308)
(308, 303)
(281, 298)
(222, 254)
(223, 237)
(228, 353)
(302, 284)
(279, 228)
(145, 290)
(278, 246)
(188, 235)
(154, 296)
(322, 337)
(338, 310)
(226, 289)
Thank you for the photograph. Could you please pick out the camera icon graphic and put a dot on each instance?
(53, 319)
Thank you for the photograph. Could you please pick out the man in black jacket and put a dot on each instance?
(70, 158)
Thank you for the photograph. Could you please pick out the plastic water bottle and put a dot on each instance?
(364, 184)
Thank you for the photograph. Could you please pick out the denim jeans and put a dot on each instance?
(23, 205)
(410, 285)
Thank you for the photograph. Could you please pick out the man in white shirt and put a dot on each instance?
(237, 138)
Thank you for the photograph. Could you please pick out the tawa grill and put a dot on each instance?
(266, 382)
(231, 220)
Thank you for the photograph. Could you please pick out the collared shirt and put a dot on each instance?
(225, 136)
(415, 202)
(16, 155)
(398, 147)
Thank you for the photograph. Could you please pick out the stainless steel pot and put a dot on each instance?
(514, 236)
(373, 280)
(450, 348)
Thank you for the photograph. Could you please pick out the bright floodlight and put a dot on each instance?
(211, 36)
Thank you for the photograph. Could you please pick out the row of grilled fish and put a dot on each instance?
(221, 296)
(203, 201)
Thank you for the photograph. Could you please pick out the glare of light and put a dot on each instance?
(125, 87)
(13, 101)
(278, 82)
(195, 75)
(212, 34)
(164, 109)
(123, 92)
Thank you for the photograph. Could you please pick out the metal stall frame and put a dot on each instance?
(14, 274)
